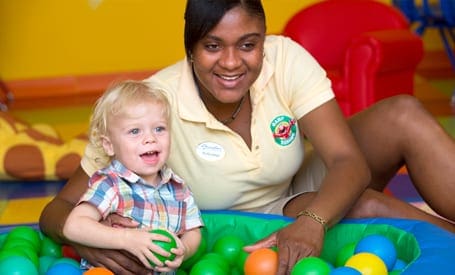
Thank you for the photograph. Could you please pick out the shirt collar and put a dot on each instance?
(167, 174)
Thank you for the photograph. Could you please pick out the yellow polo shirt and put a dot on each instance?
(214, 161)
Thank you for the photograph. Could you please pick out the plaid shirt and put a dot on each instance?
(170, 205)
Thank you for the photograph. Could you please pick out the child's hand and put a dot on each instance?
(140, 243)
(179, 256)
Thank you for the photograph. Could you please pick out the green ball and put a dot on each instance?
(50, 248)
(345, 253)
(13, 242)
(311, 265)
(229, 246)
(181, 272)
(25, 232)
(222, 262)
(44, 263)
(206, 267)
(201, 250)
(165, 245)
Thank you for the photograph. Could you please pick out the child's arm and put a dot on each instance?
(82, 226)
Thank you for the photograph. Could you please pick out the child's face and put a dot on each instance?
(139, 138)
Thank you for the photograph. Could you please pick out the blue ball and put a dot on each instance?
(64, 268)
(345, 270)
(379, 245)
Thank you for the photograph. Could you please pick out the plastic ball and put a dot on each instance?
(219, 259)
(201, 250)
(241, 259)
(379, 245)
(345, 270)
(367, 264)
(44, 263)
(98, 271)
(70, 252)
(165, 245)
(30, 254)
(5, 253)
(50, 248)
(2, 239)
(64, 268)
(311, 265)
(229, 246)
(207, 267)
(65, 260)
(28, 233)
(263, 261)
(16, 265)
(345, 253)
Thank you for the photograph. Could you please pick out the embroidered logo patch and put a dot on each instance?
(284, 130)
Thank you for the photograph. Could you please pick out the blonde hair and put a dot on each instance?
(113, 102)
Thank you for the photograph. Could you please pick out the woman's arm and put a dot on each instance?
(348, 174)
(346, 179)
(54, 215)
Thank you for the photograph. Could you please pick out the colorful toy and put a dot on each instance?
(345, 270)
(98, 271)
(219, 259)
(367, 263)
(207, 266)
(64, 268)
(229, 246)
(311, 265)
(263, 261)
(201, 250)
(165, 245)
(16, 265)
(36, 152)
(379, 245)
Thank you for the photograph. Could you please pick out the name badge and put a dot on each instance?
(210, 151)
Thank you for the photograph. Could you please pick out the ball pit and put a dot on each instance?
(421, 247)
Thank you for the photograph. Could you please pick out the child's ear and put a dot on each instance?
(107, 146)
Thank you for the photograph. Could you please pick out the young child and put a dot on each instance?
(131, 124)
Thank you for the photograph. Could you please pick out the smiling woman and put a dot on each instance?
(261, 161)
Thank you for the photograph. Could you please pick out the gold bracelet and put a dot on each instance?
(314, 216)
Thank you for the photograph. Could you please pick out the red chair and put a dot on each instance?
(366, 47)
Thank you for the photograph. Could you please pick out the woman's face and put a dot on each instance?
(229, 58)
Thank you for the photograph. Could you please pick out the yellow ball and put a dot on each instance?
(367, 264)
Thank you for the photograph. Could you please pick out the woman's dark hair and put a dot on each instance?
(203, 15)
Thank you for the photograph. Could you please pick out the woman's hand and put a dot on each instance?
(115, 220)
(303, 238)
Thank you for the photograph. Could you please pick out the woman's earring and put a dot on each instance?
(191, 58)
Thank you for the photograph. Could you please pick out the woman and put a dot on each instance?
(243, 103)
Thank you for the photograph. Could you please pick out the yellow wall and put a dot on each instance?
(48, 38)
(42, 38)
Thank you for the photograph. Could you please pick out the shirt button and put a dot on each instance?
(257, 147)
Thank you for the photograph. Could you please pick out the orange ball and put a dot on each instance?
(98, 271)
(263, 261)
